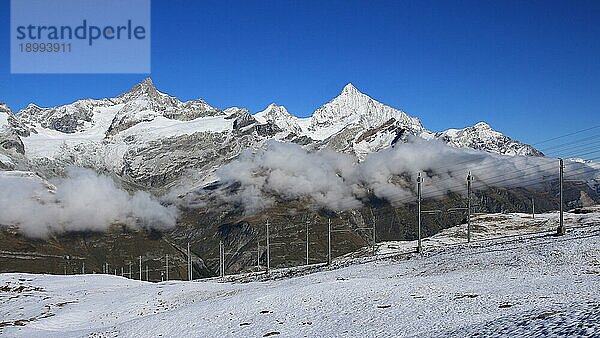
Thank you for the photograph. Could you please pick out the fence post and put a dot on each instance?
(268, 250)
(307, 241)
(419, 181)
(329, 241)
(561, 228)
(469, 179)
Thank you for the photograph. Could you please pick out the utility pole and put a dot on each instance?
(329, 242)
(469, 179)
(221, 260)
(83, 268)
(532, 208)
(140, 267)
(122, 273)
(130, 274)
(147, 279)
(561, 228)
(268, 250)
(419, 181)
(189, 262)
(167, 267)
(307, 227)
(258, 254)
(374, 232)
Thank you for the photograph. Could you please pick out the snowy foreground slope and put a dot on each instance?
(535, 284)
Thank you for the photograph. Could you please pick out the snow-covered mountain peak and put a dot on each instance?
(275, 106)
(144, 103)
(482, 136)
(32, 107)
(4, 108)
(232, 111)
(279, 116)
(482, 126)
(350, 89)
(352, 107)
(273, 110)
(145, 88)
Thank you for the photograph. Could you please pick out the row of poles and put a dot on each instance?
(561, 230)
(106, 270)
(165, 276)
(268, 244)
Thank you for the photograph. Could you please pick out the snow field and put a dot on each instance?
(525, 284)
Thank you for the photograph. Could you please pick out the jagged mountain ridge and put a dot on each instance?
(482, 137)
(153, 139)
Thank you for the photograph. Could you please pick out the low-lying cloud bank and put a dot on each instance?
(82, 201)
(339, 182)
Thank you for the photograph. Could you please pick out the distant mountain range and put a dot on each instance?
(151, 139)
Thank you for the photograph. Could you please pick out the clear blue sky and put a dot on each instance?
(529, 68)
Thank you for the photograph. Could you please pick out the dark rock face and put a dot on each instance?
(244, 119)
(301, 140)
(10, 133)
(18, 126)
(267, 130)
(66, 119)
(12, 141)
(66, 124)
(164, 162)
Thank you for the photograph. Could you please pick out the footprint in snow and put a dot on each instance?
(272, 333)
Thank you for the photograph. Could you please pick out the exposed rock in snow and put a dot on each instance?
(10, 131)
(67, 119)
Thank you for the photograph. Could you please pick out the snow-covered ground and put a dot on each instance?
(520, 284)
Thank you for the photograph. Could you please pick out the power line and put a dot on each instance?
(593, 138)
(566, 135)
